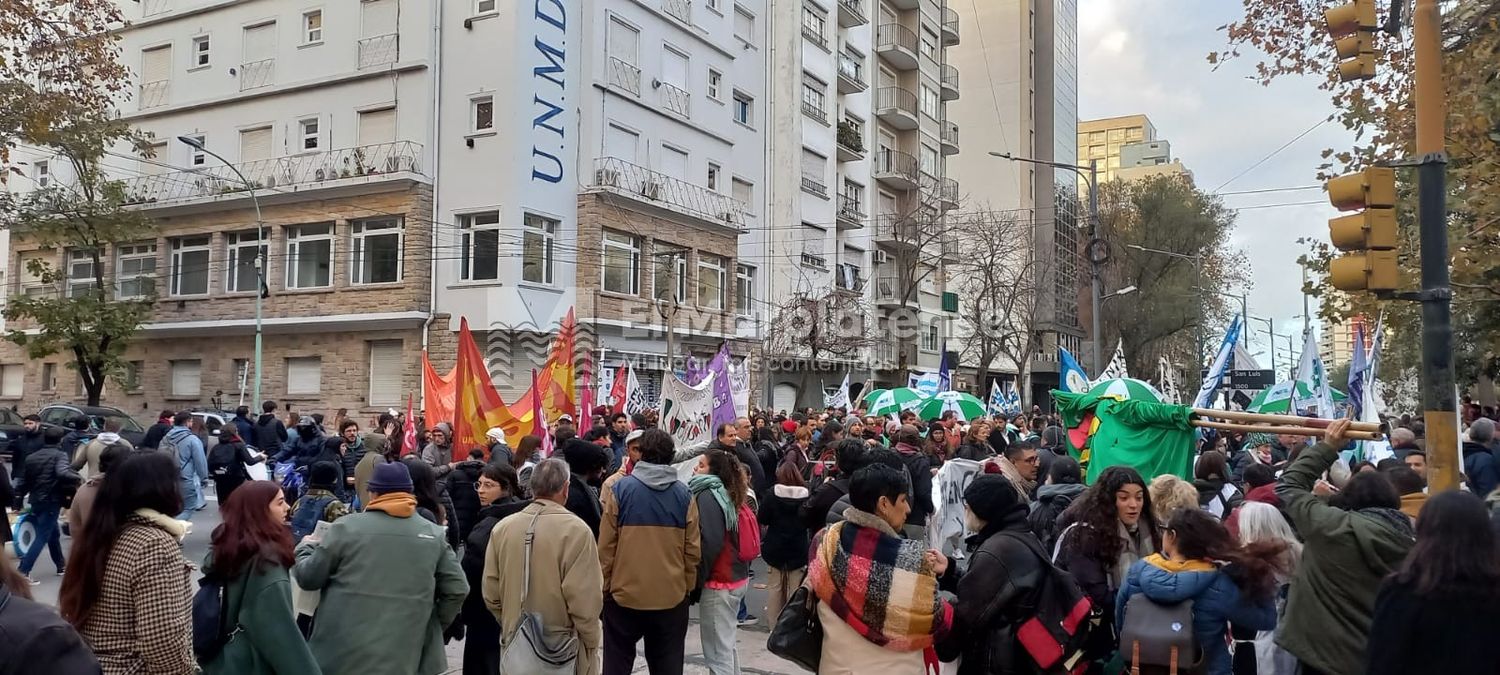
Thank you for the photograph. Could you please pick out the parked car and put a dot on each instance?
(10, 427)
(213, 421)
(57, 421)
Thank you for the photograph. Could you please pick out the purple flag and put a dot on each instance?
(718, 368)
(693, 372)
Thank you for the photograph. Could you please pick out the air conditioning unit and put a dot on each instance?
(881, 257)
(607, 177)
(651, 190)
(727, 216)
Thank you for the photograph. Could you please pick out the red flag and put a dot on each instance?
(586, 395)
(409, 436)
(539, 419)
(617, 392)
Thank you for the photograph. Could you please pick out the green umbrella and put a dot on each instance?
(869, 398)
(896, 400)
(1277, 399)
(1127, 388)
(967, 406)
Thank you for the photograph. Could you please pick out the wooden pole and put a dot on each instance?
(1310, 422)
(1281, 429)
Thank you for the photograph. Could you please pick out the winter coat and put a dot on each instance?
(302, 450)
(362, 474)
(46, 477)
(244, 427)
(465, 511)
(784, 545)
(1003, 575)
(919, 471)
(1345, 556)
(353, 452)
(440, 456)
(155, 433)
(1051, 501)
(649, 539)
(978, 453)
(379, 574)
(266, 640)
(566, 586)
(7, 498)
(1079, 556)
(191, 461)
(237, 473)
(34, 639)
(770, 459)
(73, 440)
(1217, 601)
(142, 621)
(1447, 632)
(1218, 498)
(720, 561)
(269, 435)
(1480, 469)
(88, 455)
(742, 451)
(22, 446)
(815, 510)
(481, 630)
(584, 502)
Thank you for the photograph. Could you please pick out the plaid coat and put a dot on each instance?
(142, 622)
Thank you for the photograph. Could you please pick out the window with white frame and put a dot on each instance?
(537, 236)
(304, 374)
(930, 160)
(670, 274)
(187, 377)
(713, 176)
(712, 290)
(744, 108)
(240, 252)
(929, 44)
(135, 270)
(375, 250)
(196, 156)
(309, 130)
(12, 379)
(744, 290)
(309, 256)
(814, 92)
(744, 25)
(41, 173)
(482, 114)
(930, 338)
(480, 241)
(815, 25)
(80, 272)
(484, 6)
(743, 192)
(929, 101)
(715, 84)
(201, 53)
(621, 263)
(189, 270)
(713, 5)
(312, 27)
(386, 367)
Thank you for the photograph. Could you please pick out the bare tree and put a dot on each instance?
(1000, 276)
(914, 236)
(817, 325)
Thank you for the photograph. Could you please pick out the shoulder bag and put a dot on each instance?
(798, 635)
(529, 649)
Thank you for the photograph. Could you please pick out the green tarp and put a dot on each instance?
(1153, 438)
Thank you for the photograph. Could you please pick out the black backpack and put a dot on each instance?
(222, 461)
(211, 618)
(1053, 629)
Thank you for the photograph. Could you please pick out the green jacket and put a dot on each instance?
(1344, 559)
(266, 640)
(380, 574)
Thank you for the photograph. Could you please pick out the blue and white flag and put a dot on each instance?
(996, 401)
(838, 398)
(1115, 369)
(1375, 342)
(1358, 369)
(1072, 379)
(927, 383)
(1012, 400)
(1312, 378)
(1215, 375)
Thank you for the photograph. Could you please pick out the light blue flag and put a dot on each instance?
(1073, 378)
(1215, 375)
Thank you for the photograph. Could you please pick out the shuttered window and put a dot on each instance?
(12, 378)
(377, 126)
(385, 373)
(156, 64)
(377, 18)
(255, 144)
(187, 377)
(304, 374)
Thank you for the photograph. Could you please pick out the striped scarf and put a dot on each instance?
(878, 583)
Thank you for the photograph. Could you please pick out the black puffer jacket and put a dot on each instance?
(465, 499)
(475, 616)
(47, 478)
(1004, 573)
(785, 543)
(1051, 501)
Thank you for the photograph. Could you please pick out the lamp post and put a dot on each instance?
(260, 248)
(1271, 332)
(1095, 261)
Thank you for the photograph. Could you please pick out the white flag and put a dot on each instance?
(1312, 378)
(1166, 380)
(1215, 375)
(1116, 368)
(840, 397)
(635, 397)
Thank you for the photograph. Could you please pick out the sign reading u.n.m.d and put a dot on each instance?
(552, 72)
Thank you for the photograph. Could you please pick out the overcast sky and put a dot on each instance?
(1149, 56)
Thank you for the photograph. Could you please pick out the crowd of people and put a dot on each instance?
(571, 550)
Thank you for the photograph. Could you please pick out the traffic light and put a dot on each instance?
(1371, 232)
(1353, 29)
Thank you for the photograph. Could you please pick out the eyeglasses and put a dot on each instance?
(482, 485)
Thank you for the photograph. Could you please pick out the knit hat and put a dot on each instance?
(789, 427)
(390, 477)
(323, 475)
(992, 498)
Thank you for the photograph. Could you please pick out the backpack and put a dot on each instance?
(1054, 628)
(749, 534)
(1218, 506)
(169, 446)
(1158, 635)
(222, 460)
(211, 618)
(309, 511)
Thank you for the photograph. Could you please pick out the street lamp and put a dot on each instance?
(1124, 291)
(1095, 261)
(260, 265)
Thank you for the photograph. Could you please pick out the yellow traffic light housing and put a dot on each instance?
(1370, 235)
(1353, 29)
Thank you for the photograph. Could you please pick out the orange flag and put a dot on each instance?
(437, 404)
(477, 406)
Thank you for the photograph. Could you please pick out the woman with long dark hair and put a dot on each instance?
(1101, 535)
(1440, 611)
(499, 497)
(719, 487)
(128, 588)
(432, 501)
(1216, 494)
(784, 547)
(250, 554)
(527, 456)
(1199, 561)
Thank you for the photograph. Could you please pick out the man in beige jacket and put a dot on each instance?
(567, 587)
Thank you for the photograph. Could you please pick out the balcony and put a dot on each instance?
(664, 193)
(815, 37)
(852, 13)
(896, 107)
(950, 27)
(899, 232)
(257, 74)
(380, 50)
(904, 4)
(814, 187)
(898, 45)
(291, 175)
(851, 142)
(682, 10)
(154, 94)
(623, 76)
(851, 74)
(675, 99)
(952, 251)
(949, 138)
(851, 214)
(896, 169)
(849, 278)
(815, 112)
(948, 194)
(950, 83)
(889, 293)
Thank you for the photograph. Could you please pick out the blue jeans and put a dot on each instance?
(48, 535)
(192, 498)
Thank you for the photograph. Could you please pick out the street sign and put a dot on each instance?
(1247, 380)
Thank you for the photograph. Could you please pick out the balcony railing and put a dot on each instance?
(852, 13)
(851, 137)
(950, 26)
(284, 174)
(814, 111)
(852, 70)
(948, 191)
(894, 162)
(675, 99)
(851, 208)
(896, 98)
(888, 289)
(849, 278)
(155, 94)
(813, 186)
(379, 50)
(257, 74)
(898, 44)
(682, 10)
(640, 183)
(815, 37)
(950, 133)
(950, 82)
(626, 76)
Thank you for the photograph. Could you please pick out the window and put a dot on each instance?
(812, 96)
(929, 44)
(713, 177)
(621, 263)
(670, 273)
(312, 27)
(484, 6)
(929, 102)
(744, 290)
(537, 235)
(189, 275)
(80, 272)
(813, 168)
(196, 156)
(711, 287)
(309, 261)
(242, 248)
(375, 251)
(12, 379)
(481, 246)
(49, 376)
(815, 25)
(744, 112)
(713, 5)
(930, 159)
(482, 117)
(386, 368)
(201, 47)
(377, 126)
(41, 173)
(715, 83)
(930, 338)
(255, 144)
(744, 25)
(744, 193)
(135, 270)
(187, 377)
(674, 162)
(304, 374)
(308, 129)
(132, 375)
